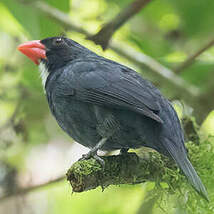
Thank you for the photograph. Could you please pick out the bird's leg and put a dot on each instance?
(93, 152)
(123, 151)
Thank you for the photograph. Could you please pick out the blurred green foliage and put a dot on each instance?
(169, 31)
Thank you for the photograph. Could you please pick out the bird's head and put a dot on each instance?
(54, 52)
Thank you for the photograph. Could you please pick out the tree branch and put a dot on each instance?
(190, 60)
(23, 191)
(121, 169)
(104, 35)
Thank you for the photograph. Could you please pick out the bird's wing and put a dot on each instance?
(109, 85)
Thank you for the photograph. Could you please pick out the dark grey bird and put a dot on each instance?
(104, 105)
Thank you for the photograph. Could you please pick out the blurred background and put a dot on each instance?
(169, 42)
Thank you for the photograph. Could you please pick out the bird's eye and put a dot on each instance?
(57, 41)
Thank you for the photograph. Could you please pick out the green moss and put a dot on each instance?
(85, 167)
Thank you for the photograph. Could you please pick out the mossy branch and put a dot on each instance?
(121, 169)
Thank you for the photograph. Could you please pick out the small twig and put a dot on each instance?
(104, 35)
(190, 60)
(23, 191)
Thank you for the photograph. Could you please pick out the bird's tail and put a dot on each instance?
(183, 162)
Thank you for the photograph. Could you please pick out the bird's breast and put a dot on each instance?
(76, 118)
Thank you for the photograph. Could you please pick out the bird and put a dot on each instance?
(107, 106)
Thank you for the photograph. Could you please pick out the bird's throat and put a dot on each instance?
(43, 72)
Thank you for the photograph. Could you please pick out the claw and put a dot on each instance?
(87, 156)
(93, 155)
(93, 152)
(100, 160)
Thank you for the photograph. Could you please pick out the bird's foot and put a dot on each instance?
(100, 160)
(124, 151)
(87, 155)
(93, 152)
(94, 155)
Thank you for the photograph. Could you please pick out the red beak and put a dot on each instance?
(35, 50)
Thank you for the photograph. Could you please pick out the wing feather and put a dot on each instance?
(108, 85)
